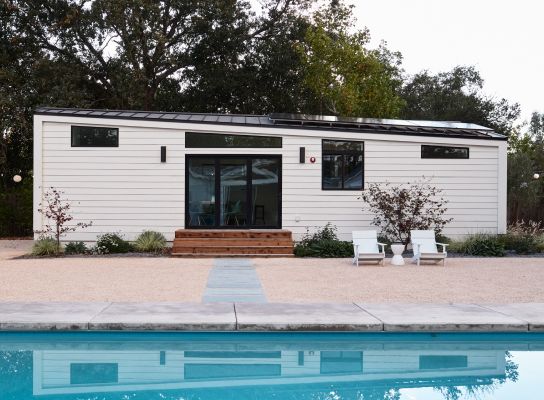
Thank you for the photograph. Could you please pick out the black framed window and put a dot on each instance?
(442, 362)
(428, 151)
(211, 140)
(343, 165)
(94, 136)
(93, 373)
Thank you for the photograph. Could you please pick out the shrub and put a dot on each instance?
(398, 209)
(481, 244)
(45, 247)
(111, 243)
(75, 248)
(56, 210)
(323, 243)
(150, 241)
(523, 237)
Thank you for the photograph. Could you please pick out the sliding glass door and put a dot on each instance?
(233, 191)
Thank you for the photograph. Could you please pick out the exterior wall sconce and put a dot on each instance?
(163, 154)
(302, 159)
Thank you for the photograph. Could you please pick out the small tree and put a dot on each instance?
(56, 211)
(400, 208)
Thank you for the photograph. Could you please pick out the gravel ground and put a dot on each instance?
(137, 279)
(499, 280)
(467, 280)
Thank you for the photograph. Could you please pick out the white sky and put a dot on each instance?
(503, 39)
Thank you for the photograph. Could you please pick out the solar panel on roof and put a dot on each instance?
(326, 122)
(211, 118)
(196, 117)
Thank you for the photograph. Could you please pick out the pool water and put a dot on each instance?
(317, 366)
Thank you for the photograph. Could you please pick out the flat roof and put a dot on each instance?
(452, 129)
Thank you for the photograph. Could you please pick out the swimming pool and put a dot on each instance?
(317, 366)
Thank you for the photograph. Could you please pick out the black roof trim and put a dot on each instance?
(296, 121)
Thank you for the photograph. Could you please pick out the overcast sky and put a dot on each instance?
(503, 39)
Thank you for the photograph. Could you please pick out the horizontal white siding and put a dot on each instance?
(127, 189)
(141, 370)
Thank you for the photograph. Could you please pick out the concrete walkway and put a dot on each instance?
(216, 316)
(235, 281)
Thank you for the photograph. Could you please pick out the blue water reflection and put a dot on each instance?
(270, 366)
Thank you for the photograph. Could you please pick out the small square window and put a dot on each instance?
(343, 165)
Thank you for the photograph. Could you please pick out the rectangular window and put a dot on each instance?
(343, 165)
(231, 371)
(94, 136)
(211, 140)
(93, 373)
(341, 362)
(442, 362)
(428, 151)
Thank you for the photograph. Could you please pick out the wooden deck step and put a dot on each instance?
(229, 243)
(233, 233)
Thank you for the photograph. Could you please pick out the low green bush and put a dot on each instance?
(443, 239)
(521, 244)
(323, 243)
(150, 241)
(524, 237)
(112, 243)
(44, 247)
(483, 245)
(75, 248)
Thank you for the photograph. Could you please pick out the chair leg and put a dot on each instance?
(418, 261)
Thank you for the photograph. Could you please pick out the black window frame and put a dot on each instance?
(213, 145)
(73, 133)
(444, 157)
(249, 185)
(79, 369)
(343, 153)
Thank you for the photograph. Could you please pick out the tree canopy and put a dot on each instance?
(237, 56)
(457, 95)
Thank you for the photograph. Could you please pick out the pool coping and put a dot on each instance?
(248, 317)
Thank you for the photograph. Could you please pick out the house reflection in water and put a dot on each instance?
(79, 371)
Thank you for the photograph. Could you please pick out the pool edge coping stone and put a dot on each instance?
(443, 317)
(261, 317)
(335, 317)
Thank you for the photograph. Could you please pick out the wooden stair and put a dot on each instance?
(233, 243)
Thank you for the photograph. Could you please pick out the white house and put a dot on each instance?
(129, 171)
(79, 371)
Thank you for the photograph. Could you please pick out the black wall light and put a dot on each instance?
(302, 159)
(163, 153)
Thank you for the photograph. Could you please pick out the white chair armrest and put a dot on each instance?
(382, 245)
(415, 248)
(444, 245)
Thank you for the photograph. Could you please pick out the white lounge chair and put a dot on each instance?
(365, 247)
(424, 246)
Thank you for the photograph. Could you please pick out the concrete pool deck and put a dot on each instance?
(362, 317)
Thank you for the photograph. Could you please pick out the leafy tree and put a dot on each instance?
(398, 209)
(525, 159)
(344, 76)
(56, 211)
(457, 96)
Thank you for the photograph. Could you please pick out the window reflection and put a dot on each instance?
(280, 368)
